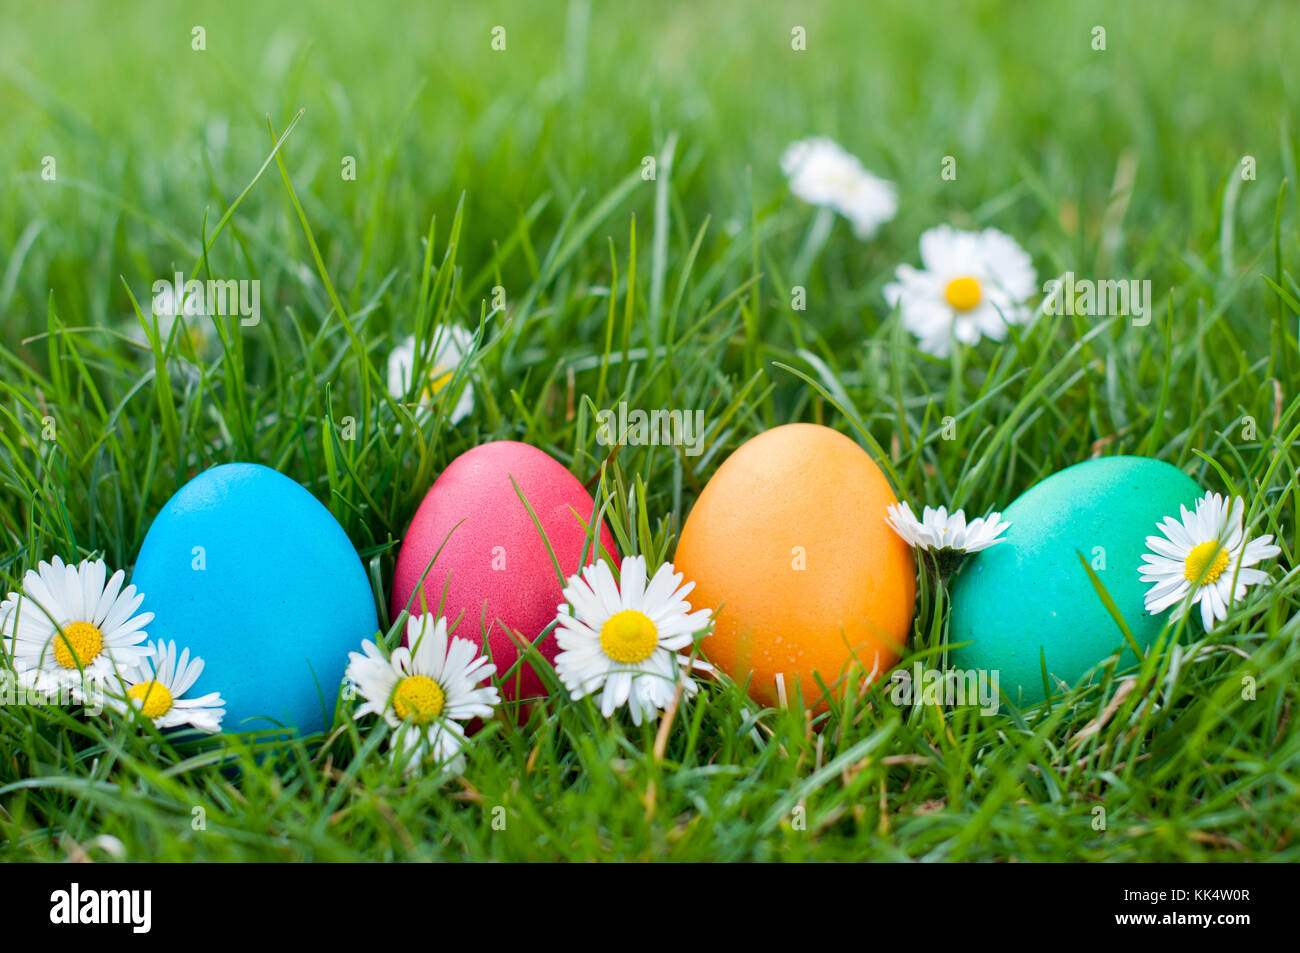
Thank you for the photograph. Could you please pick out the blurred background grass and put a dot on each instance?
(148, 133)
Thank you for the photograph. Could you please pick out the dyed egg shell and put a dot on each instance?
(493, 562)
(249, 571)
(789, 538)
(1030, 594)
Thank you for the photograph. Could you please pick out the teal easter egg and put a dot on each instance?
(249, 571)
(1029, 598)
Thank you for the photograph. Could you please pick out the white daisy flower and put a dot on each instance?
(1207, 555)
(822, 173)
(156, 686)
(451, 343)
(936, 531)
(973, 284)
(166, 309)
(67, 627)
(622, 640)
(424, 691)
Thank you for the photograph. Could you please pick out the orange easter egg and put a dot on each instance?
(789, 539)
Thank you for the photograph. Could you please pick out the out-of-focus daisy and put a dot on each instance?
(68, 626)
(1206, 557)
(972, 284)
(822, 173)
(166, 309)
(156, 686)
(949, 538)
(424, 691)
(622, 639)
(451, 344)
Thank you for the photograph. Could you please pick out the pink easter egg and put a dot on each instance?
(490, 558)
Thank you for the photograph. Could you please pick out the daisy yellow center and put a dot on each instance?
(195, 338)
(154, 698)
(1205, 563)
(439, 378)
(629, 637)
(963, 293)
(79, 644)
(418, 698)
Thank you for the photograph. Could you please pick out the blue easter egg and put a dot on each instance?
(249, 571)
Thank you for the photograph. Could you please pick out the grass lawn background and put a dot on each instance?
(522, 169)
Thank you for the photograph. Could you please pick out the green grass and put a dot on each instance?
(522, 169)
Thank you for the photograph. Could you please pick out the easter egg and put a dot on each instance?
(1029, 600)
(252, 574)
(789, 542)
(487, 564)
